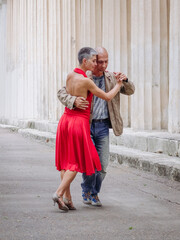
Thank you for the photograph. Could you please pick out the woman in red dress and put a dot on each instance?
(75, 151)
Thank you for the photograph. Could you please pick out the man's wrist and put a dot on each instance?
(125, 80)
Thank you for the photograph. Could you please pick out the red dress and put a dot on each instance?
(75, 150)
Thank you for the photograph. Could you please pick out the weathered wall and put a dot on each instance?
(40, 39)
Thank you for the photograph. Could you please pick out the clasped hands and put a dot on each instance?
(120, 77)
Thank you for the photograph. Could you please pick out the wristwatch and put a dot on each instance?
(125, 80)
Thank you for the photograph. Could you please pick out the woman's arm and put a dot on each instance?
(91, 86)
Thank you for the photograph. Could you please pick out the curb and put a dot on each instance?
(158, 164)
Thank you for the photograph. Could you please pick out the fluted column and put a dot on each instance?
(88, 23)
(149, 46)
(164, 62)
(40, 57)
(109, 31)
(114, 38)
(137, 61)
(58, 57)
(52, 59)
(3, 54)
(9, 64)
(174, 68)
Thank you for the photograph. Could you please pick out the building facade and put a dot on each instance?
(39, 41)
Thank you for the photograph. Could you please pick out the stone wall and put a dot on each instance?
(39, 41)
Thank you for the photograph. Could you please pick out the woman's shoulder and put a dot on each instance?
(70, 74)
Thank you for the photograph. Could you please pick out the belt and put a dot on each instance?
(100, 120)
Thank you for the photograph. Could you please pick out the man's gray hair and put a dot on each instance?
(87, 53)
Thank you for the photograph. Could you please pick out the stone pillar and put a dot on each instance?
(174, 68)
(108, 31)
(88, 23)
(156, 97)
(164, 62)
(40, 57)
(9, 63)
(149, 46)
(3, 56)
(52, 88)
(68, 37)
(123, 66)
(114, 38)
(137, 62)
(59, 61)
(29, 62)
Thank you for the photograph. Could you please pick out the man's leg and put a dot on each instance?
(101, 140)
(102, 146)
(88, 181)
(87, 185)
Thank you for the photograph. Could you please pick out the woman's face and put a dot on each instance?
(91, 63)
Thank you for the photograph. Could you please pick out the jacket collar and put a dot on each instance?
(106, 75)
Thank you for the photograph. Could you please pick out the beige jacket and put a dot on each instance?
(113, 105)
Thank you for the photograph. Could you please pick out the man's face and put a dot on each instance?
(102, 62)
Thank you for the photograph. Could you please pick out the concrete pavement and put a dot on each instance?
(136, 205)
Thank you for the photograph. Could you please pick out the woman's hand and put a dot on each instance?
(120, 76)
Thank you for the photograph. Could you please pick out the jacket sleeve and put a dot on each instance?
(65, 98)
(128, 88)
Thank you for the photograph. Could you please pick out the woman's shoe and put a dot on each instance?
(59, 201)
(69, 204)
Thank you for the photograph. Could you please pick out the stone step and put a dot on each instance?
(46, 137)
(152, 141)
(158, 164)
(41, 125)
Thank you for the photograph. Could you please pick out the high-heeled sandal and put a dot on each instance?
(59, 200)
(69, 204)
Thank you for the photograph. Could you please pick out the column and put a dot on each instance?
(114, 38)
(3, 53)
(156, 100)
(88, 23)
(137, 61)
(149, 46)
(39, 57)
(164, 62)
(174, 66)
(52, 88)
(59, 84)
(148, 61)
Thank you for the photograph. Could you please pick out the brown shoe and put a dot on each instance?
(69, 204)
(59, 200)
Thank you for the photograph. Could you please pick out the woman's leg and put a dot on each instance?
(67, 178)
(62, 174)
(67, 193)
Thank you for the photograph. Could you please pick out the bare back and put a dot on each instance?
(76, 85)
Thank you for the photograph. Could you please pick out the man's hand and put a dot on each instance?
(120, 76)
(81, 103)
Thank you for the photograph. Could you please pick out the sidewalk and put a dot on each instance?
(137, 205)
(153, 151)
